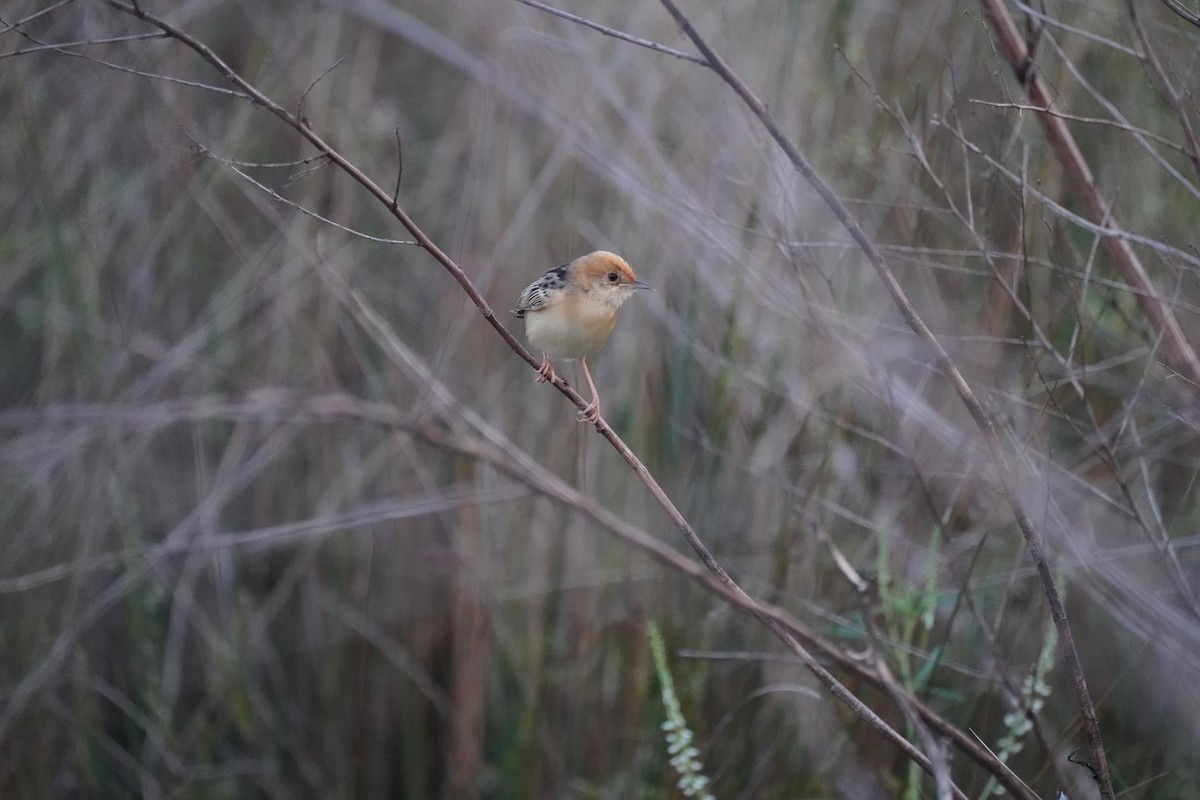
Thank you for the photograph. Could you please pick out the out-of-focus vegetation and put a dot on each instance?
(231, 570)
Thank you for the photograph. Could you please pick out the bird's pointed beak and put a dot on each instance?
(641, 285)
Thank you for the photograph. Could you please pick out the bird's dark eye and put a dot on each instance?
(612, 277)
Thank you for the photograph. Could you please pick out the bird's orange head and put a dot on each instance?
(606, 276)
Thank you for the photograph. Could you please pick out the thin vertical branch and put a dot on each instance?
(1191, 148)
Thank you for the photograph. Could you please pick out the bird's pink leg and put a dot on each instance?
(545, 371)
(592, 412)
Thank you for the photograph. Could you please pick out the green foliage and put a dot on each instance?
(1019, 722)
(684, 756)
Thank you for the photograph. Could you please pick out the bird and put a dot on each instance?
(570, 311)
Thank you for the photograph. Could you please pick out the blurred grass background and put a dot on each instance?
(211, 590)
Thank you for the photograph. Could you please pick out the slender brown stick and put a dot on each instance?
(982, 416)
(1183, 11)
(613, 32)
(1111, 123)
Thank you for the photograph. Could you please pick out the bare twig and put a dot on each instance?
(1164, 141)
(61, 46)
(1046, 20)
(268, 190)
(1192, 151)
(399, 167)
(616, 34)
(40, 12)
(311, 86)
(1108, 230)
(1183, 11)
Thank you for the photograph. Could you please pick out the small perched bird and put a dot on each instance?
(570, 311)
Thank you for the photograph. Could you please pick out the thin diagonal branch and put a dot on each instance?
(1183, 11)
(613, 32)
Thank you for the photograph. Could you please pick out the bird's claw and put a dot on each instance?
(591, 413)
(545, 371)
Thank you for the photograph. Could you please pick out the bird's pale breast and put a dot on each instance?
(574, 327)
